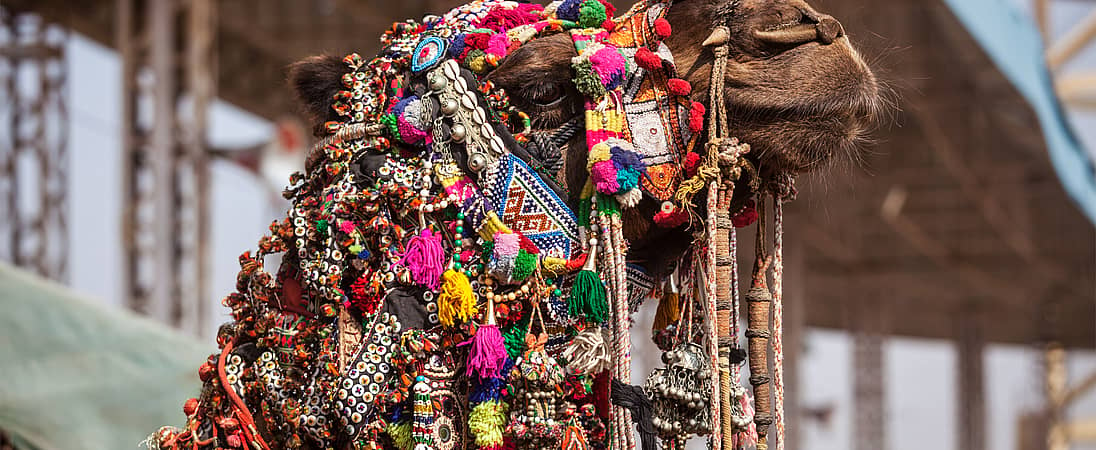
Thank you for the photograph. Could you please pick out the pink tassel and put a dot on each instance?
(488, 353)
(425, 259)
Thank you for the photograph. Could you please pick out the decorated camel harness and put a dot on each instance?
(436, 290)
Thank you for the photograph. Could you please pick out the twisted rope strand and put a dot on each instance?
(778, 317)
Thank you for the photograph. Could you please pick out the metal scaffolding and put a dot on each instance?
(167, 68)
(869, 379)
(34, 144)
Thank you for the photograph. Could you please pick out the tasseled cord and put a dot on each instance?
(424, 257)
(633, 398)
(488, 353)
(588, 297)
(456, 301)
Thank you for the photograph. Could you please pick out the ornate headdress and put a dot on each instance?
(436, 292)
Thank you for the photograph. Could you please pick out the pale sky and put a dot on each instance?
(920, 373)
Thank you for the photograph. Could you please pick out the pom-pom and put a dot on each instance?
(679, 87)
(696, 117)
(524, 265)
(456, 301)
(662, 28)
(591, 14)
(588, 297)
(648, 59)
(190, 407)
(630, 198)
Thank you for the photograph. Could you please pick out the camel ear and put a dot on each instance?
(315, 81)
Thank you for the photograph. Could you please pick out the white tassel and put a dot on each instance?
(587, 353)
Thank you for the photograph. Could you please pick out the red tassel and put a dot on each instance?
(648, 59)
(190, 407)
(662, 28)
(671, 219)
(696, 117)
(746, 217)
(678, 86)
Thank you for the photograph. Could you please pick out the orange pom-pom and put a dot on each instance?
(679, 87)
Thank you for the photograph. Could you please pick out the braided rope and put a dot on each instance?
(711, 293)
(778, 317)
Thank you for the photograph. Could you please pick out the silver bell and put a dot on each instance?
(437, 82)
(457, 132)
(476, 162)
(449, 107)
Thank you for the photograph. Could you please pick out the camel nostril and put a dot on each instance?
(829, 29)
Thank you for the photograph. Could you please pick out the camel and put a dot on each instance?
(369, 336)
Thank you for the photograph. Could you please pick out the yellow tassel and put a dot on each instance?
(668, 312)
(456, 302)
(554, 266)
(491, 225)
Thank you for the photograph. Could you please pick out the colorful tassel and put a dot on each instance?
(456, 303)
(588, 297)
(488, 353)
(422, 417)
(425, 259)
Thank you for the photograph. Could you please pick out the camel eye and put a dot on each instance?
(545, 94)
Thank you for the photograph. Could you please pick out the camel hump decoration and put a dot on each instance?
(490, 200)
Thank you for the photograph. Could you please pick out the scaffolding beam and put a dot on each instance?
(34, 161)
(168, 83)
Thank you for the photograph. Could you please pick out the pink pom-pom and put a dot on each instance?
(498, 45)
(604, 176)
(679, 87)
(507, 244)
(662, 28)
(648, 59)
(696, 117)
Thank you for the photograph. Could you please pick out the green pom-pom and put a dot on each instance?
(586, 80)
(321, 225)
(524, 265)
(588, 297)
(389, 121)
(591, 14)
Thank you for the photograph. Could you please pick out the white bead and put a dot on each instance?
(593, 241)
(444, 204)
(429, 208)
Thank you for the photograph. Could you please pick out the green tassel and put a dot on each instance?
(588, 297)
(513, 339)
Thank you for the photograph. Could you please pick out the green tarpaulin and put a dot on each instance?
(79, 375)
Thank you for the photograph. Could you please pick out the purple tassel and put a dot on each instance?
(488, 354)
(425, 259)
